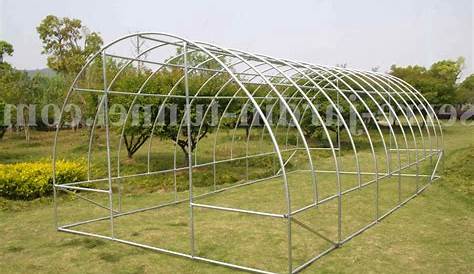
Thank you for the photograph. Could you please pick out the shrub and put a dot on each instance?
(27, 181)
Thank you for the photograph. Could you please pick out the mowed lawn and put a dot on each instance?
(433, 233)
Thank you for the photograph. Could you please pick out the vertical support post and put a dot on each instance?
(377, 193)
(339, 215)
(190, 156)
(390, 138)
(418, 166)
(430, 118)
(338, 124)
(247, 112)
(214, 157)
(214, 174)
(339, 198)
(431, 147)
(290, 244)
(247, 158)
(55, 202)
(440, 149)
(119, 186)
(388, 83)
(418, 173)
(107, 137)
(274, 164)
(247, 168)
(175, 184)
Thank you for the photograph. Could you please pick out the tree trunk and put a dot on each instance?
(27, 134)
(185, 152)
(3, 130)
(27, 128)
(186, 159)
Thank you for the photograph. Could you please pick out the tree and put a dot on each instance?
(138, 133)
(5, 49)
(48, 90)
(438, 83)
(177, 132)
(21, 91)
(3, 127)
(313, 129)
(465, 91)
(448, 70)
(7, 81)
(62, 39)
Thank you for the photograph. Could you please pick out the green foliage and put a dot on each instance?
(62, 38)
(27, 181)
(438, 83)
(465, 92)
(5, 49)
(3, 127)
(29, 93)
(48, 90)
(162, 82)
(19, 89)
(14, 85)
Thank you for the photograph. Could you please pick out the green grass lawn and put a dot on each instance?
(433, 233)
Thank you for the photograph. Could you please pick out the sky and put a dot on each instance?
(363, 34)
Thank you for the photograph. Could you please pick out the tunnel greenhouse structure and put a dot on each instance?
(237, 159)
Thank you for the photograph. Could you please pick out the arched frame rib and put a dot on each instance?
(401, 107)
(350, 75)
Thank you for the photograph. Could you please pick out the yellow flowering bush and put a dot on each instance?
(27, 181)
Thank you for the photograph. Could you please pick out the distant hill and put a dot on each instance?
(44, 71)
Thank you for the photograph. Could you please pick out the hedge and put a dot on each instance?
(27, 181)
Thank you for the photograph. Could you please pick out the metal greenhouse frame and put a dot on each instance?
(403, 136)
